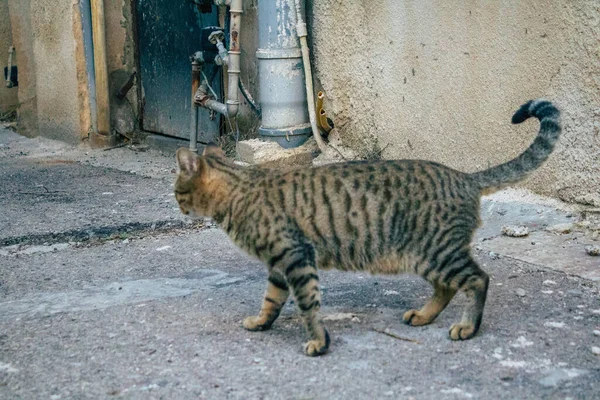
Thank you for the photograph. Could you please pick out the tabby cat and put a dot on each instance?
(385, 217)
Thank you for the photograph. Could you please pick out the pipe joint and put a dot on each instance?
(301, 29)
(235, 6)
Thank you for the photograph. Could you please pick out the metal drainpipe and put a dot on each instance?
(281, 79)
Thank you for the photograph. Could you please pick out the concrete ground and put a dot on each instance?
(107, 292)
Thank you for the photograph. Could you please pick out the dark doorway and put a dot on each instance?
(168, 34)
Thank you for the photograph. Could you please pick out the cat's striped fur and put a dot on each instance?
(384, 217)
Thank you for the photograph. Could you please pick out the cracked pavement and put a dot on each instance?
(117, 296)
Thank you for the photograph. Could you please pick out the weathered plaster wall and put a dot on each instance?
(43, 34)
(8, 97)
(20, 22)
(55, 69)
(440, 80)
(53, 85)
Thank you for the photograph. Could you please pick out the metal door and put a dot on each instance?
(168, 34)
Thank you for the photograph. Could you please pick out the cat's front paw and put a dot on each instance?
(256, 323)
(319, 347)
(462, 331)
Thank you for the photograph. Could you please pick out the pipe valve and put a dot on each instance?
(217, 38)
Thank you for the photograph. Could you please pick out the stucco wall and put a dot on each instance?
(440, 80)
(8, 97)
(43, 35)
(56, 73)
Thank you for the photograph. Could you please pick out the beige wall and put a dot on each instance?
(43, 34)
(55, 69)
(53, 82)
(440, 80)
(8, 97)
(436, 80)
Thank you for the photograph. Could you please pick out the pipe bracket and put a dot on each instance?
(270, 54)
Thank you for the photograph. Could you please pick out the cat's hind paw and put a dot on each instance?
(462, 331)
(256, 323)
(315, 348)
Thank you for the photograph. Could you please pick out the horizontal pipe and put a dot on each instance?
(216, 106)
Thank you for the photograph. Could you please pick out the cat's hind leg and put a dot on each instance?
(474, 282)
(275, 297)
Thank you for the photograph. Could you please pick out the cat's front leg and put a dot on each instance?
(275, 297)
(301, 275)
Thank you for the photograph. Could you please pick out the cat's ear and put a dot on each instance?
(212, 149)
(189, 162)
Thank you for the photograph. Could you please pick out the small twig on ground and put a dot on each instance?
(41, 194)
(395, 336)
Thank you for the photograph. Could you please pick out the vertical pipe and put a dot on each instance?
(282, 86)
(233, 67)
(196, 67)
(100, 67)
(302, 34)
(86, 25)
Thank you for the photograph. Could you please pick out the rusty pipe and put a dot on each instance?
(233, 63)
(196, 67)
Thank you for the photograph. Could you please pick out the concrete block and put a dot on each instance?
(272, 155)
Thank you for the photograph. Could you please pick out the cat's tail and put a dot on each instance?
(519, 168)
